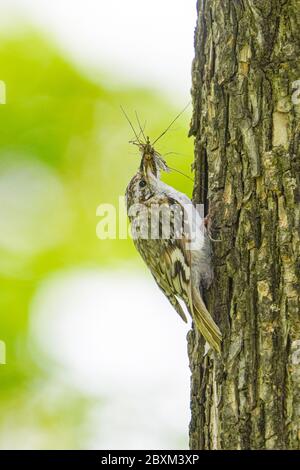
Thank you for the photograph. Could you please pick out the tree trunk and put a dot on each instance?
(247, 172)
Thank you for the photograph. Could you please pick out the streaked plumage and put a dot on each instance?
(177, 269)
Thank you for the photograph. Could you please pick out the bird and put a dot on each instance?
(171, 237)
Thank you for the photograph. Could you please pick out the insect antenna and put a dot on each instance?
(180, 172)
(175, 153)
(186, 176)
(134, 142)
(131, 125)
(171, 124)
(139, 124)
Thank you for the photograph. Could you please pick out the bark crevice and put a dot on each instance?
(247, 167)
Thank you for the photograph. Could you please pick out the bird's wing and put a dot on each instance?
(170, 296)
(170, 263)
(168, 259)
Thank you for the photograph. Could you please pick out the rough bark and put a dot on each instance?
(247, 171)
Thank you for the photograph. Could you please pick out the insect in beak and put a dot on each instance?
(151, 160)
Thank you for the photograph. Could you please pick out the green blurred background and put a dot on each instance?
(73, 308)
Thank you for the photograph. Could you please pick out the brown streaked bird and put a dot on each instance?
(179, 256)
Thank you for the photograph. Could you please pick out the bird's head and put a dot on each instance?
(139, 190)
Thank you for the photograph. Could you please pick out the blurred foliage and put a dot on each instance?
(63, 150)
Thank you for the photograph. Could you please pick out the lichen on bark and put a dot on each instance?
(247, 173)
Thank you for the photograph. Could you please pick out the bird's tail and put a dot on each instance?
(205, 324)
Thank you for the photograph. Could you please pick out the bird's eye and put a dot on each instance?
(142, 183)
